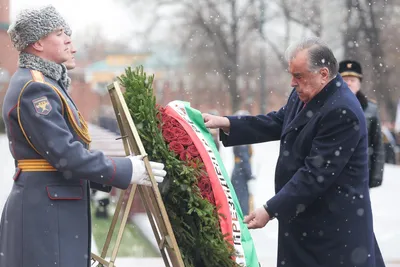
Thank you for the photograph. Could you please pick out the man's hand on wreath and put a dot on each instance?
(257, 219)
(214, 122)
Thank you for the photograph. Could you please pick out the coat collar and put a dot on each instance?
(313, 106)
(57, 72)
(362, 99)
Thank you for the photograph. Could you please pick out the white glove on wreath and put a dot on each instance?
(140, 175)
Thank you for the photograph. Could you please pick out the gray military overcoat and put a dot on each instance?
(46, 219)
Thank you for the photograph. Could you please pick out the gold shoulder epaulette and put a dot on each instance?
(37, 76)
(82, 129)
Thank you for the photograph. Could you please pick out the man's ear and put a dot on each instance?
(38, 46)
(325, 74)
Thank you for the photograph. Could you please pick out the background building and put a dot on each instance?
(8, 55)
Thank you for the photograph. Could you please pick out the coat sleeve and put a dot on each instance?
(377, 157)
(254, 129)
(330, 152)
(50, 135)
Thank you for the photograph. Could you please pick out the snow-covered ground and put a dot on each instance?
(385, 201)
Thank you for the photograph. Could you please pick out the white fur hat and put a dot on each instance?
(33, 24)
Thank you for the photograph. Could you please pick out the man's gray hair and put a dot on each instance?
(319, 55)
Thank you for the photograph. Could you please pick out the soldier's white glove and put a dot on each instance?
(140, 175)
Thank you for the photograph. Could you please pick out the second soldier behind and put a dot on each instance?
(351, 72)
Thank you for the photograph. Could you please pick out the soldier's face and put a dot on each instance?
(353, 83)
(307, 83)
(55, 46)
(70, 63)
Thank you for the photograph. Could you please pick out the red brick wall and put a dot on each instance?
(8, 57)
(86, 100)
(5, 11)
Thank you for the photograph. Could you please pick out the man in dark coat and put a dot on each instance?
(322, 200)
(351, 72)
(46, 219)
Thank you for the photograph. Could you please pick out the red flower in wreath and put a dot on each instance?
(167, 124)
(185, 140)
(166, 118)
(206, 190)
(169, 135)
(176, 147)
(160, 112)
(193, 151)
(176, 123)
(203, 180)
(209, 197)
(160, 108)
(179, 132)
(185, 156)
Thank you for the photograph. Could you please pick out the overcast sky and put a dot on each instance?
(81, 14)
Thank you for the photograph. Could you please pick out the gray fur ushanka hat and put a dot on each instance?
(33, 24)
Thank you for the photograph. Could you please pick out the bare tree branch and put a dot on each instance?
(287, 23)
(369, 28)
(246, 9)
(278, 52)
(219, 29)
(290, 11)
(213, 7)
(214, 33)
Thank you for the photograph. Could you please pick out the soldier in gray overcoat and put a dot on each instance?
(46, 219)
